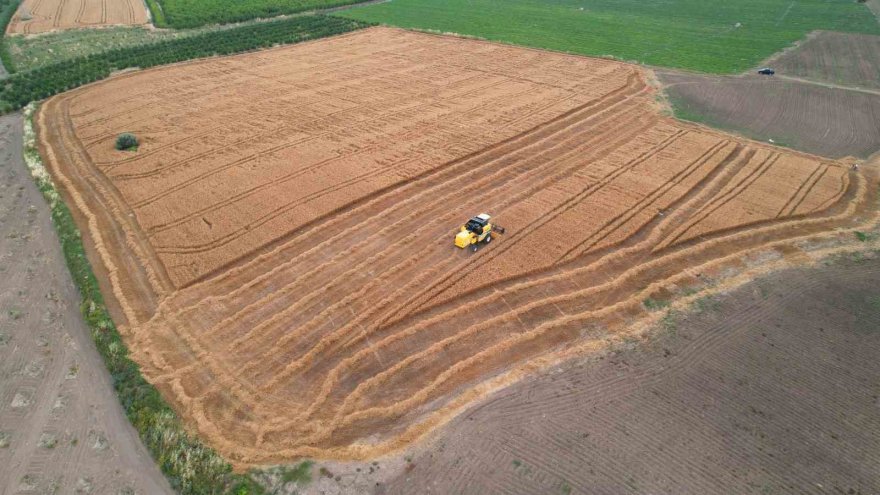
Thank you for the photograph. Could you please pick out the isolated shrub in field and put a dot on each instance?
(126, 141)
(191, 467)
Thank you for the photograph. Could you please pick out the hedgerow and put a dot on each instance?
(7, 10)
(190, 466)
(24, 87)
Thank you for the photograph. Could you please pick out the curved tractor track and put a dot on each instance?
(279, 249)
(39, 16)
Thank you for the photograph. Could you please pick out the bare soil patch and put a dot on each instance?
(837, 58)
(279, 248)
(772, 388)
(61, 426)
(40, 16)
(828, 121)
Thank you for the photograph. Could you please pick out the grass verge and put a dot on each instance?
(7, 10)
(190, 466)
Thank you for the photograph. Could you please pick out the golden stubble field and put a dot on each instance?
(278, 251)
(40, 16)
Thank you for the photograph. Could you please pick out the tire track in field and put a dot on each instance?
(366, 354)
(518, 143)
(211, 172)
(643, 240)
(625, 216)
(807, 190)
(805, 187)
(327, 342)
(57, 19)
(278, 181)
(425, 296)
(82, 8)
(440, 202)
(434, 350)
(844, 184)
(326, 119)
(361, 363)
(734, 191)
(364, 318)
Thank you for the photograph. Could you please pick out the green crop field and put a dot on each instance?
(719, 37)
(194, 13)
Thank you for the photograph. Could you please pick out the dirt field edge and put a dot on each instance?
(190, 466)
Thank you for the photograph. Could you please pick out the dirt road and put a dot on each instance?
(61, 427)
(774, 388)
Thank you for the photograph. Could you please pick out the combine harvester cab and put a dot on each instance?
(476, 230)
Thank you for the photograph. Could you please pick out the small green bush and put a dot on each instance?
(190, 467)
(126, 141)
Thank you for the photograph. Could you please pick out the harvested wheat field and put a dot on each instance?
(40, 16)
(279, 252)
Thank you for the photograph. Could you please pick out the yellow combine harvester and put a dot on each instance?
(476, 230)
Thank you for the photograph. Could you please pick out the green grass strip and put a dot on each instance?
(7, 10)
(190, 466)
(157, 13)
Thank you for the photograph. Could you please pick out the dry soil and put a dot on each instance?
(61, 427)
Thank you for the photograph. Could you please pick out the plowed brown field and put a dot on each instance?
(39, 16)
(838, 58)
(279, 249)
(830, 121)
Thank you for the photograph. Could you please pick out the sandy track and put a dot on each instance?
(806, 116)
(769, 390)
(39, 16)
(279, 248)
(62, 429)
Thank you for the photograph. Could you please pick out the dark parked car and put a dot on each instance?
(767, 71)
